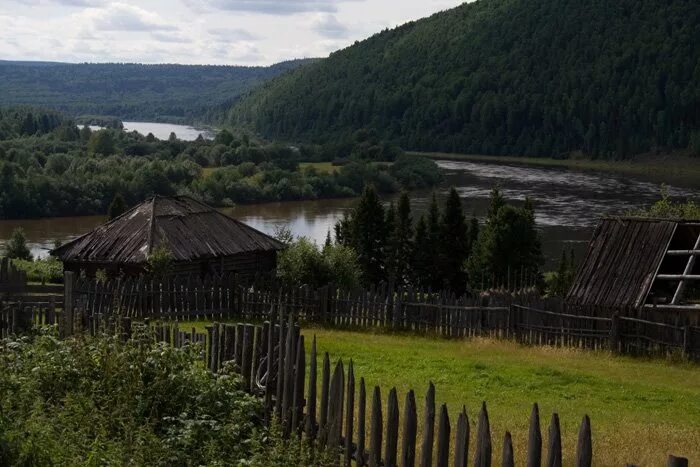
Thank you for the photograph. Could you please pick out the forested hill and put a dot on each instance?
(174, 93)
(519, 77)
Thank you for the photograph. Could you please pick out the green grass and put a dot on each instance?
(641, 410)
(669, 168)
(321, 167)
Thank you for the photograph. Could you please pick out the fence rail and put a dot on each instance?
(521, 316)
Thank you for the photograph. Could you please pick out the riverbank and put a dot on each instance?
(673, 169)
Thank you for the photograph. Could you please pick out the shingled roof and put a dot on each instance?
(190, 229)
(622, 262)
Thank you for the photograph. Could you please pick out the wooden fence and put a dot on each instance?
(331, 408)
(522, 316)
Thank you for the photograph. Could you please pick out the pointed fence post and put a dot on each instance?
(375, 434)
(462, 440)
(335, 407)
(311, 395)
(426, 457)
(349, 414)
(534, 444)
(392, 429)
(323, 412)
(674, 461)
(298, 400)
(443, 447)
(360, 457)
(410, 429)
(482, 457)
(508, 457)
(584, 449)
(554, 442)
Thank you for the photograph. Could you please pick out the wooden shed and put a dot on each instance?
(201, 239)
(635, 264)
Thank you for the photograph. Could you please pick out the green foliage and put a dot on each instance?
(102, 142)
(99, 401)
(667, 208)
(454, 245)
(117, 207)
(160, 261)
(16, 247)
(558, 283)
(504, 77)
(45, 175)
(507, 248)
(303, 263)
(48, 269)
(130, 91)
(400, 242)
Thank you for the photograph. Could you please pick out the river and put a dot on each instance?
(162, 130)
(568, 205)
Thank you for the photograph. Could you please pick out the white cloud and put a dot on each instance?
(327, 25)
(125, 17)
(270, 7)
(233, 34)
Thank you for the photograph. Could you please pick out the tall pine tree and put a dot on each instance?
(369, 236)
(402, 240)
(454, 245)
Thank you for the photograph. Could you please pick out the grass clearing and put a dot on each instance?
(678, 169)
(640, 410)
(321, 167)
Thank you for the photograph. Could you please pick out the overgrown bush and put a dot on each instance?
(41, 270)
(97, 401)
(304, 263)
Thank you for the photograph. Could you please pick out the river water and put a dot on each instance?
(568, 205)
(162, 130)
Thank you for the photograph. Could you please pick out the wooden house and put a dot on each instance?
(201, 240)
(635, 265)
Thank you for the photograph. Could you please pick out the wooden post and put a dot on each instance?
(554, 452)
(534, 444)
(462, 440)
(508, 458)
(426, 458)
(410, 429)
(298, 400)
(349, 414)
(335, 407)
(323, 413)
(68, 285)
(311, 395)
(288, 385)
(360, 458)
(392, 429)
(615, 332)
(443, 446)
(584, 449)
(375, 434)
(483, 440)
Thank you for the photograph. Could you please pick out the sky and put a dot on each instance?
(222, 32)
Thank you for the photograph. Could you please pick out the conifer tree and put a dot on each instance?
(403, 240)
(434, 279)
(421, 259)
(454, 245)
(369, 236)
(117, 207)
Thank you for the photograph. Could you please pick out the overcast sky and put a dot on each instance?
(246, 32)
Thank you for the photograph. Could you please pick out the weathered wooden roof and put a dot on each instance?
(190, 229)
(622, 260)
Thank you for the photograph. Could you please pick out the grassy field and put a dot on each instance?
(680, 170)
(641, 410)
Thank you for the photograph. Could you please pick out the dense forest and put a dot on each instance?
(172, 93)
(51, 167)
(544, 78)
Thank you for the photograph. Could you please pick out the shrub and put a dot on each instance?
(16, 247)
(100, 401)
(41, 270)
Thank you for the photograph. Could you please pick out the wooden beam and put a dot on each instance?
(678, 277)
(683, 253)
(680, 290)
(649, 306)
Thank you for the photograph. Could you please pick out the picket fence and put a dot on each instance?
(522, 316)
(331, 409)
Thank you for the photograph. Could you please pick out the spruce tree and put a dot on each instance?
(434, 277)
(369, 236)
(454, 245)
(421, 259)
(403, 240)
(390, 243)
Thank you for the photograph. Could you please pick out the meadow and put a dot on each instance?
(641, 410)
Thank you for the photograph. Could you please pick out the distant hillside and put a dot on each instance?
(520, 77)
(132, 91)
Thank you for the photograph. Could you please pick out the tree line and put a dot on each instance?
(505, 77)
(51, 167)
(440, 250)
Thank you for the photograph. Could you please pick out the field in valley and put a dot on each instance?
(640, 410)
